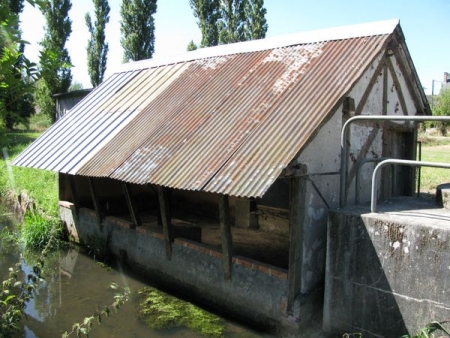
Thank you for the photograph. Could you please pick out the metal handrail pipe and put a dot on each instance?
(358, 168)
(344, 134)
(373, 202)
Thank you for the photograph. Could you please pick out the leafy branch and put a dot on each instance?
(84, 328)
(16, 293)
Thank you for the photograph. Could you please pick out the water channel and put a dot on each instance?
(76, 285)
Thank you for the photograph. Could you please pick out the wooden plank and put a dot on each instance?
(164, 206)
(131, 204)
(408, 73)
(401, 97)
(385, 88)
(296, 226)
(227, 241)
(96, 202)
(73, 191)
(361, 155)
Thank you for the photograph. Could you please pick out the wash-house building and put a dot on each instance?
(213, 171)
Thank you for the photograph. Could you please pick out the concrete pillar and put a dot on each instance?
(244, 217)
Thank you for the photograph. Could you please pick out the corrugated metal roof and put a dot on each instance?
(219, 122)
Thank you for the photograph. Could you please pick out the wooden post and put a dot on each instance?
(166, 218)
(131, 204)
(227, 241)
(95, 201)
(296, 220)
(75, 198)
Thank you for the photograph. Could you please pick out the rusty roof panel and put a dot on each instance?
(256, 165)
(226, 124)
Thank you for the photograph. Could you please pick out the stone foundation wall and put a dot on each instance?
(386, 275)
(256, 292)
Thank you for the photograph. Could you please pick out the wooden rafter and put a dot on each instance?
(401, 97)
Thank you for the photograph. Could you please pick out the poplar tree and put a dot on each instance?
(97, 48)
(232, 22)
(55, 60)
(228, 21)
(138, 29)
(256, 24)
(207, 13)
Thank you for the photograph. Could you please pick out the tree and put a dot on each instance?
(16, 72)
(97, 49)
(191, 46)
(442, 108)
(256, 24)
(207, 13)
(232, 22)
(55, 60)
(76, 86)
(228, 21)
(138, 29)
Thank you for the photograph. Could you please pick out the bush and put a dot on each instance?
(37, 230)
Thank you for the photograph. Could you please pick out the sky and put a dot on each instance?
(425, 24)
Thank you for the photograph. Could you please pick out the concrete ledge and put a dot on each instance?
(65, 204)
(443, 195)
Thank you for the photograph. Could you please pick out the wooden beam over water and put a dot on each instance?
(131, 204)
(164, 206)
(296, 227)
(227, 241)
(96, 202)
(75, 198)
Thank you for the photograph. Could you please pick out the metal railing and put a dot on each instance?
(373, 204)
(344, 146)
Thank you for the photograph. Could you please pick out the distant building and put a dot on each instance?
(66, 101)
(446, 83)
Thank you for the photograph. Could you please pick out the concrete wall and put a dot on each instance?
(387, 274)
(257, 292)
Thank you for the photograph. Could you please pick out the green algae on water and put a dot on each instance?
(160, 310)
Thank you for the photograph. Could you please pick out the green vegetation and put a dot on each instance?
(38, 191)
(97, 49)
(442, 108)
(429, 329)
(223, 22)
(137, 29)
(17, 73)
(160, 310)
(434, 149)
(84, 327)
(54, 62)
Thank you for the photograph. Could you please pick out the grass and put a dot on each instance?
(41, 186)
(434, 149)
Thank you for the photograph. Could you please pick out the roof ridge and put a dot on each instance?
(327, 34)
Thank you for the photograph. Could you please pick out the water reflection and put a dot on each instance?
(75, 286)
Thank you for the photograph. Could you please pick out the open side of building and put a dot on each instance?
(214, 172)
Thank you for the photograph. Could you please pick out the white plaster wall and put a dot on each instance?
(411, 108)
(321, 156)
(360, 132)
